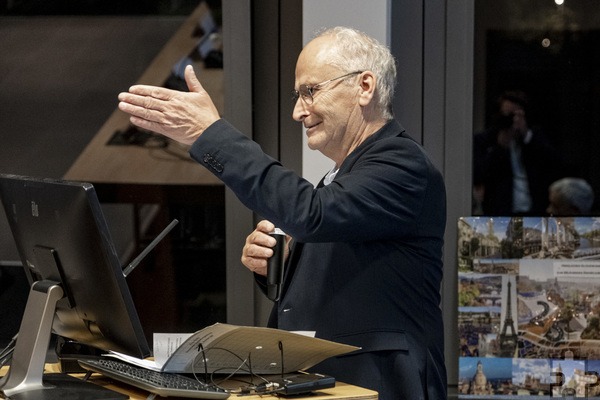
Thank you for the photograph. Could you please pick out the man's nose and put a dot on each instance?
(300, 111)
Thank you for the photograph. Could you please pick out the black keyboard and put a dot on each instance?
(160, 383)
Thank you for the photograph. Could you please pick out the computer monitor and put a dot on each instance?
(78, 288)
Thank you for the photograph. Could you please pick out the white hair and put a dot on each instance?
(354, 50)
(576, 192)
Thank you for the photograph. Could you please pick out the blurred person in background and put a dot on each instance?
(513, 163)
(570, 197)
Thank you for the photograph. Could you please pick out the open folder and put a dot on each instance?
(225, 348)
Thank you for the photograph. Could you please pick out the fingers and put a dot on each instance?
(191, 80)
(258, 248)
(161, 93)
(146, 107)
(265, 226)
(181, 116)
(142, 99)
(143, 117)
(152, 91)
(255, 257)
(168, 112)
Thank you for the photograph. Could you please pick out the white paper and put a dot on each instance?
(148, 364)
(165, 345)
(306, 333)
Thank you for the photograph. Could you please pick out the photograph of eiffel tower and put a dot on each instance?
(528, 297)
(508, 334)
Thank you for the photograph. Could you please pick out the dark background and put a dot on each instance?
(98, 7)
(62, 65)
(563, 86)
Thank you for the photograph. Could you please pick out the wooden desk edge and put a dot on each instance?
(341, 391)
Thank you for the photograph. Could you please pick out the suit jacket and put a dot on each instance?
(492, 168)
(366, 266)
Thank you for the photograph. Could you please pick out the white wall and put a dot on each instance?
(371, 17)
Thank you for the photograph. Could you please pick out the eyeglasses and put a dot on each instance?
(306, 92)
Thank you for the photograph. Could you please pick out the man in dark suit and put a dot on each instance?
(364, 265)
(513, 163)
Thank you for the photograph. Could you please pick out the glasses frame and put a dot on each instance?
(306, 92)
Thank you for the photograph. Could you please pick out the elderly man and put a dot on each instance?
(364, 265)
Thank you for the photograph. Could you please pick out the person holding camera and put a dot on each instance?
(513, 163)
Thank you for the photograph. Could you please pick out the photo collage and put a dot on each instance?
(529, 307)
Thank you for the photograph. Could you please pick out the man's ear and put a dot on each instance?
(367, 87)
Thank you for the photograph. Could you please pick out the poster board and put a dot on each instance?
(528, 307)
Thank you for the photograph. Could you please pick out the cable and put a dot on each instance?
(7, 352)
(249, 386)
(6, 357)
(281, 354)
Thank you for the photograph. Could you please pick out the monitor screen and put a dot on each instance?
(62, 238)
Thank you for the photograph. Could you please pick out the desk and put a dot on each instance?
(143, 175)
(138, 176)
(340, 391)
(113, 164)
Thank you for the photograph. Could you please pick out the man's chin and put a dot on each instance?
(312, 143)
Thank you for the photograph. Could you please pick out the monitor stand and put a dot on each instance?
(25, 379)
